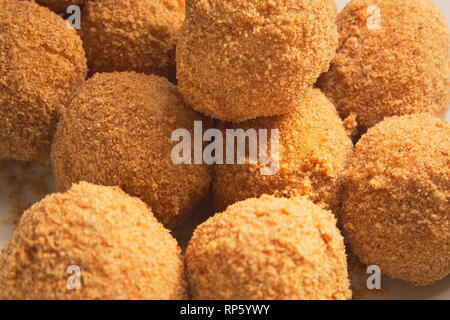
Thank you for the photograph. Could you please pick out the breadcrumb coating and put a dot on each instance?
(397, 198)
(314, 148)
(132, 35)
(238, 60)
(60, 5)
(401, 68)
(122, 251)
(117, 131)
(42, 63)
(335, 7)
(268, 248)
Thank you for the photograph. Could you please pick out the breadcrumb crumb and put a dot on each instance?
(132, 35)
(117, 132)
(268, 248)
(397, 198)
(122, 251)
(42, 63)
(400, 67)
(313, 151)
(238, 60)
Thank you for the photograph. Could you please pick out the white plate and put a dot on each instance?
(395, 289)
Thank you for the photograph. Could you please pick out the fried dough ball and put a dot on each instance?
(268, 248)
(60, 5)
(397, 198)
(117, 131)
(112, 240)
(394, 66)
(238, 60)
(42, 63)
(335, 8)
(313, 150)
(132, 35)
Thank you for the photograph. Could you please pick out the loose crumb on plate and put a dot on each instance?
(25, 182)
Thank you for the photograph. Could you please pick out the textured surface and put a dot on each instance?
(41, 63)
(396, 289)
(314, 148)
(117, 131)
(401, 68)
(60, 5)
(122, 250)
(268, 248)
(237, 60)
(132, 35)
(397, 198)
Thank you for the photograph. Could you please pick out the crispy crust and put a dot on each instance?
(314, 148)
(132, 35)
(117, 131)
(60, 5)
(268, 248)
(42, 63)
(402, 68)
(397, 198)
(238, 60)
(122, 250)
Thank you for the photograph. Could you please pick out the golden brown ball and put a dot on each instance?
(117, 131)
(108, 240)
(335, 7)
(60, 5)
(238, 60)
(268, 248)
(313, 150)
(42, 63)
(393, 59)
(132, 35)
(397, 198)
